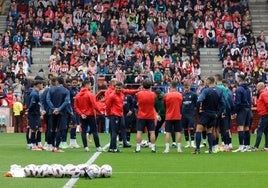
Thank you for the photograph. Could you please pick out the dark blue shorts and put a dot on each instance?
(148, 123)
(226, 122)
(207, 119)
(34, 122)
(173, 125)
(244, 117)
(188, 121)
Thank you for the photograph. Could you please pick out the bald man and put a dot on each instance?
(262, 109)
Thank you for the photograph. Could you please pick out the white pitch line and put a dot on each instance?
(72, 181)
(191, 172)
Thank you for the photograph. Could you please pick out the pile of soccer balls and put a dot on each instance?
(59, 171)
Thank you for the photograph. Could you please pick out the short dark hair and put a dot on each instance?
(119, 84)
(86, 82)
(147, 84)
(173, 84)
(74, 78)
(37, 82)
(60, 80)
(218, 77)
(211, 79)
(241, 77)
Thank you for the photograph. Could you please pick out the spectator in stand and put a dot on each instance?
(37, 36)
(211, 37)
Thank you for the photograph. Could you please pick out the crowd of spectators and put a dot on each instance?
(132, 40)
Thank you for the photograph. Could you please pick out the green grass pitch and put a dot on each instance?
(140, 170)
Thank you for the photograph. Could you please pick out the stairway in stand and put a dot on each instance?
(3, 18)
(40, 60)
(209, 62)
(259, 13)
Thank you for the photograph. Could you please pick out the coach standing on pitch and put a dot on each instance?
(262, 109)
(243, 113)
(211, 105)
(85, 106)
(58, 98)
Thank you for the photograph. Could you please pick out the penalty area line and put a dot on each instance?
(72, 181)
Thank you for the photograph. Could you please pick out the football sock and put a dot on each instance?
(186, 134)
(179, 145)
(173, 136)
(247, 138)
(153, 146)
(198, 140)
(33, 138)
(138, 147)
(73, 133)
(120, 137)
(210, 140)
(28, 139)
(128, 136)
(226, 139)
(38, 137)
(192, 134)
(167, 146)
(241, 137)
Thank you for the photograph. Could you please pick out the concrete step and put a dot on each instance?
(209, 54)
(258, 10)
(257, 21)
(209, 72)
(206, 65)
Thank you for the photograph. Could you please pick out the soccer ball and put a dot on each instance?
(44, 170)
(58, 171)
(72, 171)
(68, 168)
(82, 168)
(93, 171)
(75, 173)
(144, 143)
(30, 170)
(106, 171)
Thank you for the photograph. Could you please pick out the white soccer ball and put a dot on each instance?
(75, 173)
(68, 169)
(144, 143)
(58, 171)
(106, 171)
(30, 170)
(82, 168)
(72, 171)
(44, 170)
(93, 171)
